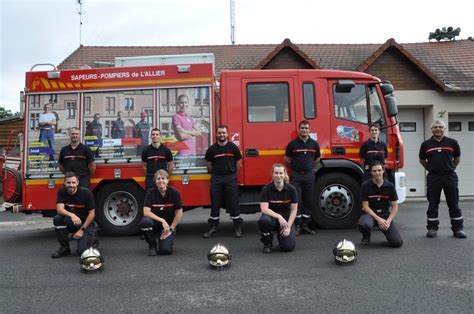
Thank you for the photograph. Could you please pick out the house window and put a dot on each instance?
(108, 126)
(407, 126)
(201, 96)
(110, 105)
(53, 98)
(454, 126)
(470, 125)
(34, 120)
(165, 129)
(149, 116)
(129, 104)
(87, 105)
(35, 101)
(70, 109)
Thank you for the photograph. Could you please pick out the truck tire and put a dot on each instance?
(337, 201)
(12, 186)
(119, 208)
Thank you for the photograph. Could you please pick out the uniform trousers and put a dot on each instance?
(224, 193)
(63, 225)
(268, 225)
(367, 222)
(152, 229)
(449, 184)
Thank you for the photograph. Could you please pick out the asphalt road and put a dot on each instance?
(425, 275)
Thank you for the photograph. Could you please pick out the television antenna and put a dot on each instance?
(80, 12)
(232, 21)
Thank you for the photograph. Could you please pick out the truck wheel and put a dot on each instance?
(337, 203)
(119, 208)
(12, 186)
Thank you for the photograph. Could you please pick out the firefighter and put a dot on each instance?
(162, 211)
(142, 129)
(223, 162)
(379, 205)
(78, 158)
(94, 128)
(118, 127)
(372, 150)
(155, 157)
(279, 205)
(302, 155)
(47, 124)
(440, 155)
(75, 213)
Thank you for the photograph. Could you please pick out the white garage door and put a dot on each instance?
(461, 128)
(412, 129)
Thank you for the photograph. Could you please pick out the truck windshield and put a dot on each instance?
(376, 112)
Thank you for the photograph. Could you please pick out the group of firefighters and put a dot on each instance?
(285, 202)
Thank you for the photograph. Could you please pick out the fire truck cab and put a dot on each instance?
(262, 109)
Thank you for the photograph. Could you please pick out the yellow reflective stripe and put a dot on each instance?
(96, 180)
(57, 181)
(139, 179)
(42, 182)
(270, 152)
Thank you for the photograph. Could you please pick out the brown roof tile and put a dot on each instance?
(449, 64)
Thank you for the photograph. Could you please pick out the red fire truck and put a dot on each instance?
(262, 109)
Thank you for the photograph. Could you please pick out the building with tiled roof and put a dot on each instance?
(433, 80)
(449, 63)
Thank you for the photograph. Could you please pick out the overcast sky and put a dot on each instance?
(36, 31)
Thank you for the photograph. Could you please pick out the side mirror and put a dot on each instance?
(391, 103)
(344, 86)
(386, 87)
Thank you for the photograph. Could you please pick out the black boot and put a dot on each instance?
(305, 229)
(152, 250)
(238, 231)
(298, 230)
(267, 240)
(61, 251)
(211, 232)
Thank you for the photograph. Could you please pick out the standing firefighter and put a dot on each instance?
(155, 157)
(440, 155)
(302, 155)
(223, 162)
(76, 212)
(77, 158)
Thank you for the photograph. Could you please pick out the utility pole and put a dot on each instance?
(80, 21)
(232, 21)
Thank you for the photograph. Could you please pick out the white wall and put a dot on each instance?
(439, 106)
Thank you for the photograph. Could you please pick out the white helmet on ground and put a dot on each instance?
(345, 252)
(219, 257)
(91, 260)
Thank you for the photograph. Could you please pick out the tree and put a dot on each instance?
(5, 113)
